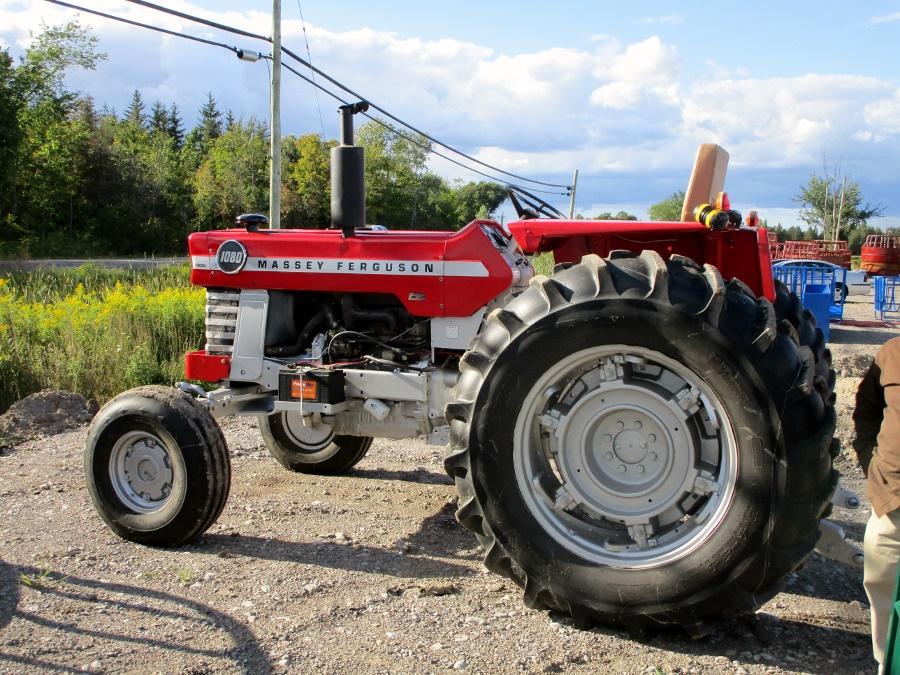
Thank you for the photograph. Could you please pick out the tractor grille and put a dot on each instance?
(221, 320)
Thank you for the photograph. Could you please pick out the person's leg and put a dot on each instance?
(882, 553)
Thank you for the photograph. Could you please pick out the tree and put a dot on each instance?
(159, 118)
(306, 192)
(834, 204)
(10, 132)
(210, 119)
(234, 176)
(229, 119)
(44, 141)
(395, 167)
(175, 128)
(621, 215)
(134, 113)
(668, 209)
(476, 200)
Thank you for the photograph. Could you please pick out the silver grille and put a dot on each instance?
(221, 320)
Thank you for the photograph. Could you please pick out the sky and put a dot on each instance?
(623, 92)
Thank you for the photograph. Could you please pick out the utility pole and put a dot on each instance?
(572, 196)
(275, 117)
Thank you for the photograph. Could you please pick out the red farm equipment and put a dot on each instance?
(836, 252)
(645, 437)
(880, 255)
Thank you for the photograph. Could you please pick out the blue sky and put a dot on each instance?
(622, 91)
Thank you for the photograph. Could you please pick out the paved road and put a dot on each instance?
(125, 263)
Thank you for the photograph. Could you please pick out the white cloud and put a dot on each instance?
(883, 117)
(611, 108)
(886, 18)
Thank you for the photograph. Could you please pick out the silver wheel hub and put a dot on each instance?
(621, 454)
(308, 432)
(141, 472)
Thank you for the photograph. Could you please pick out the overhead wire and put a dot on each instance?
(316, 85)
(309, 56)
(412, 140)
(148, 26)
(340, 85)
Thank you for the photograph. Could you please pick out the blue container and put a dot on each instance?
(817, 298)
(798, 277)
(887, 296)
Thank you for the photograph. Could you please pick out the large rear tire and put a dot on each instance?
(157, 466)
(310, 449)
(637, 443)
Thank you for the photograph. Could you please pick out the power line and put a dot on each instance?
(309, 56)
(147, 26)
(267, 58)
(412, 140)
(307, 64)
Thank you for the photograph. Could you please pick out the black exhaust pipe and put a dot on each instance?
(348, 186)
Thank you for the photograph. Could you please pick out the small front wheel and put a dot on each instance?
(157, 466)
(310, 448)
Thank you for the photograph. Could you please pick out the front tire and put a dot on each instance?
(600, 367)
(156, 466)
(310, 449)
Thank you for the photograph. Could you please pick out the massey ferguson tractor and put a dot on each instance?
(643, 438)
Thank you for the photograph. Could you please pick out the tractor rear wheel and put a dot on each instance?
(310, 449)
(638, 443)
(157, 466)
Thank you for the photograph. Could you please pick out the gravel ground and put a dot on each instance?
(367, 572)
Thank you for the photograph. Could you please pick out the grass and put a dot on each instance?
(43, 578)
(95, 331)
(543, 263)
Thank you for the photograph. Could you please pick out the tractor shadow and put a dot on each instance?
(765, 641)
(9, 593)
(116, 616)
(753, 642)
(441, 534)
(827, 580)
(351, 557)
(415, 476)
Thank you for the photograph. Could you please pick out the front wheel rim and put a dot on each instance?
(141, 471)
(625, 457)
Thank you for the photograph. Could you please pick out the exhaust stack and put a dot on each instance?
(348, 187)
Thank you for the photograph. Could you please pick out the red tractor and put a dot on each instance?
(642, 438)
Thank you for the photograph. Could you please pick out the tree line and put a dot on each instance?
(76, 179)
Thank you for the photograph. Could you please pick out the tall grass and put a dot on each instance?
(95, 331)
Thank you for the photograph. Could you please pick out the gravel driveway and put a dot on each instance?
(367, 572)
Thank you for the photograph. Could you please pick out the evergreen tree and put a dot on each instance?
(86, 112)
(210, 120)
(135, 111)
(159, 118)
(229, 120)
(175, 129)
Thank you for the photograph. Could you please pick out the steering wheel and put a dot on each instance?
(531, 206)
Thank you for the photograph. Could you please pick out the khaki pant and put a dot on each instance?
(882, 553)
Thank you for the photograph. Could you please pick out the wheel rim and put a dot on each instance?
(311, 438)
(141, 471)
(625, 456)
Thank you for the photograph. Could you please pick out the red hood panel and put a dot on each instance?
(431, 273)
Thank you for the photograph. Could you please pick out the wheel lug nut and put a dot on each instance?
(609, 456)
(607, 437)
(652, 456)
(637, 424)
(620, 424)
(643, 446)
(622, 468)
(641, 468)
(652, 437)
